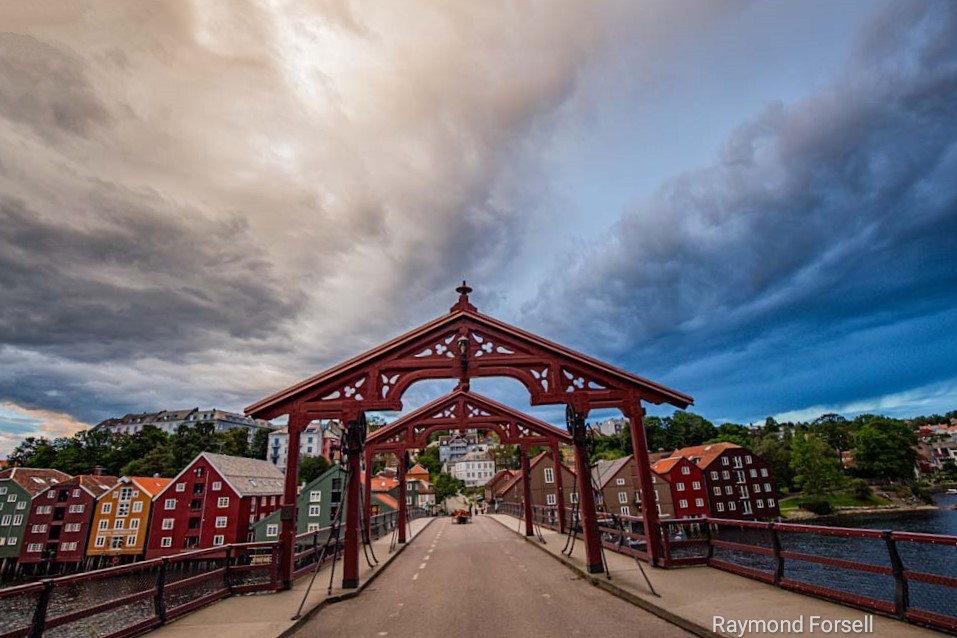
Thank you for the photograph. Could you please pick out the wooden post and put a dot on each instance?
(287, 514)
(526, 490)
(649, 510)
(586, 504)
(559, 487)
(403, 510)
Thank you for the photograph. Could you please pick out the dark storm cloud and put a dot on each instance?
(129, 281)
(832, 217)
(46, 88)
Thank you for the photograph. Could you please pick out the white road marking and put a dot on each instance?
(415, 576)
(427, 557)
(422, 566)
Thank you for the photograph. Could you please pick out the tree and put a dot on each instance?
(429, 459)
(446, 486)
(777, 452)
(815, 464)
(260, 445)
(835, 430)
(504, 457)
(733, 433)
(311, 468)
(33, 452)
(234, 442)
(885, 448)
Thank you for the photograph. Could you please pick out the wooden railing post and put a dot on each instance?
(778, 559)
(228, 565)
(901, 593)
(40, 614)
(159, 600)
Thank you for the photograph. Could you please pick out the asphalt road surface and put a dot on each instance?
(481, 579)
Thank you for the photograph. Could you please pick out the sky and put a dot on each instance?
(204, 202)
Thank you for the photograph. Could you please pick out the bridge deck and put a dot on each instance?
(269, 615)
(696, 594)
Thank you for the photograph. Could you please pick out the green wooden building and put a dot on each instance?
(317, 505)
(18, 486)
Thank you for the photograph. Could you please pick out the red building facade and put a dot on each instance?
(58, 525)
(739, 483)
(213, 502)
(689, 490)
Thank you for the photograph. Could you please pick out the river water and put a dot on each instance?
(939, 521)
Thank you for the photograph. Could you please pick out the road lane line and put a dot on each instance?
(415, 576)
(422, 566)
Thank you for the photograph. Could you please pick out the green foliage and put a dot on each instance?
(145, 453)
(949, 470)
(504, 457)
(429, 459)
(777, 452)
(860, 488)
(446, 486)
(816, 466)
(259, 448)
(311, 468)
(732, 433)
(884, 448)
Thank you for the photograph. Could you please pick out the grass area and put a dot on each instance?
(839, 499)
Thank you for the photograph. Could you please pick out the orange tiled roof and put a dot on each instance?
(665, 465)
(149, 484)
(704, 455)
(380, 484)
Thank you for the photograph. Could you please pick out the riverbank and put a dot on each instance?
(889, 510)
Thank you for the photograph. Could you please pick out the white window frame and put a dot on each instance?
(272, 530)
(170, 504)
(166, 541)
(222, 501)
(619, 482)
(100, 541)
(137, 507)
(622, 497)
(217, 485)
(315, 509)
(106, 508)
(315, 496)
(168, 523)
(551, 499)
(221, 522)
(181, 487)
(549, 475)
(683, 503)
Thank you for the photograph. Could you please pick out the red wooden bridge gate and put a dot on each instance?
(463, 344)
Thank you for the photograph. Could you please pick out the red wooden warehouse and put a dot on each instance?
(59, 524)
(689, 491)
(211, 503)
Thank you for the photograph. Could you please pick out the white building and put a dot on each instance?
(169, 421)
(475, 468)
(318, 439)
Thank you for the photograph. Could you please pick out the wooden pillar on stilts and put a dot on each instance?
(403, 508)
(649, 509)
(526, 490)
(287, 514)
(559, 487)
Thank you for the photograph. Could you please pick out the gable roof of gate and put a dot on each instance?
(494, 408)
(461, 312)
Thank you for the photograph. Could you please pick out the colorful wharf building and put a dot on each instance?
(58, 526)
(121, 521)
(18, 487)
(213, 502)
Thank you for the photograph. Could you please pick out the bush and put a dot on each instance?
(860, 489)
(818, 506)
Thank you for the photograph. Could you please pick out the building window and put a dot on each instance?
(168, 523)
(746, 506)
(170, 504)
(720, 507)
(312, 527)
(199, 472)
(39, 529)
(732, 506)
(625, 510)
(223, 501)
(622, 497)
(747, 459)
(116, 542)
(767, 487)
(315, 496)
(134, 523)
(72, 527)
(619, 482)
(714, 475)
(220, 522)
(51, 494)
(574, 497)
(754, 473)
(106, 508)
(770, 502)
(137, 507)
(680, 486)
(685, 469)
(21, 505)
(218, 540)
(166, 541)
(18, 520)
(3, 491)
(100, 541)
(123, 509)
(717, 491)
(696, 485)
(118, 523)
(757, 488)
(699, 502)
(217, 485)
(104, 524)
(759, 503)
(549, 475)
(724, 460)
(76, 493)
(725, 474)
(729, 490)
(181, 487)
(551, 499)
(125, 493)
(683, 503)
(35, 547)
(315, 510)
(740, 475)
(272, 530)
(764, 471)
(77, 509)
(44, 509)
(131, 540)
(12, 540)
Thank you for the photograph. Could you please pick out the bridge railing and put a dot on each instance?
(906, 575)
(129, 599)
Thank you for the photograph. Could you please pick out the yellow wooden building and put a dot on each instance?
(121, 521)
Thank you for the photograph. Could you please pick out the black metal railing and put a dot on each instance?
(130, 599)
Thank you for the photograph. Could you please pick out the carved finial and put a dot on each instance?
(463, 303)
